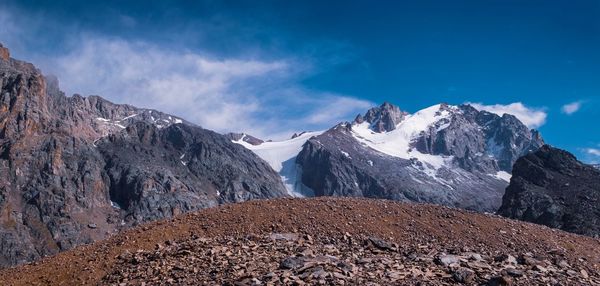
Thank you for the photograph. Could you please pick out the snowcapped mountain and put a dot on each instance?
(444, 154)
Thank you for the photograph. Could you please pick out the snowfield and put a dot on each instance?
(397, 142)
(281, 155)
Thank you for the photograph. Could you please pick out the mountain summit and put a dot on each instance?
(451, 155)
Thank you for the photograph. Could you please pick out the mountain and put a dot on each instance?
(552, 188)
(450, 155)
(78, 169)
(325, 241)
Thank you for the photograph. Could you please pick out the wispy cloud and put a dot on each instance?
(219, 94)
(533, 117)
(571, 107)
(593, 151)
(241, 92)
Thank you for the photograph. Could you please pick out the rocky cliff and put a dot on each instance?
(552, 188)
(77, 169)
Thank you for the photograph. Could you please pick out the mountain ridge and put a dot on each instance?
(79, 169)
(425, 156)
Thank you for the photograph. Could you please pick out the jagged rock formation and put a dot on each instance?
(383, 118)
(552, 188)
(450, 155)
(77, 169)
(4, 53)
(244, 137)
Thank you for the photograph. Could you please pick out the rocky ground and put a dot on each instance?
(325, 241)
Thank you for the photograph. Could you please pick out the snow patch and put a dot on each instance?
(177, 121)
(130, 116)
(397, 142)
(346, 154)
(502, 175)
(115, 205)
(102, 119)
(281, 156)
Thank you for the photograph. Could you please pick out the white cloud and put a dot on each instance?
(334, 108)
(593, 151)
(530, 116)
(254, 96)
(571, 107)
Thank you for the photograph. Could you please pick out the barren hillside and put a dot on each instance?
(325, 241)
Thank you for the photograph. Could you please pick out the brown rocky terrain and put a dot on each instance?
(331, 241)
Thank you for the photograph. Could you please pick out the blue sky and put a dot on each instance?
(274, 67)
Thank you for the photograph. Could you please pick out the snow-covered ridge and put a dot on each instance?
(397, 142)
(146, 115)
(281, 156)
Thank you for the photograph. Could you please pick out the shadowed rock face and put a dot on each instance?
(552, 188)
(77, 169)
(478, 143)
(382, 118)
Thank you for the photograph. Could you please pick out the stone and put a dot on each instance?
(447, 260)
(514, 272)
(285, 236)
(506, 258)
(381, 244)
(292, 262)
(500, 281)
(463, 275)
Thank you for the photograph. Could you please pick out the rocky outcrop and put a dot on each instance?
(382, 118)
(471, 149)
(4, 53)
(244, 137)
(552, 188)
(77, 169)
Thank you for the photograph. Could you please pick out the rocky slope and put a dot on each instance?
(76, 169)
(328, 241)
(552, 188)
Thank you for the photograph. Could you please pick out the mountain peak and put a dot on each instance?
(383, 118)
(4, 53)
